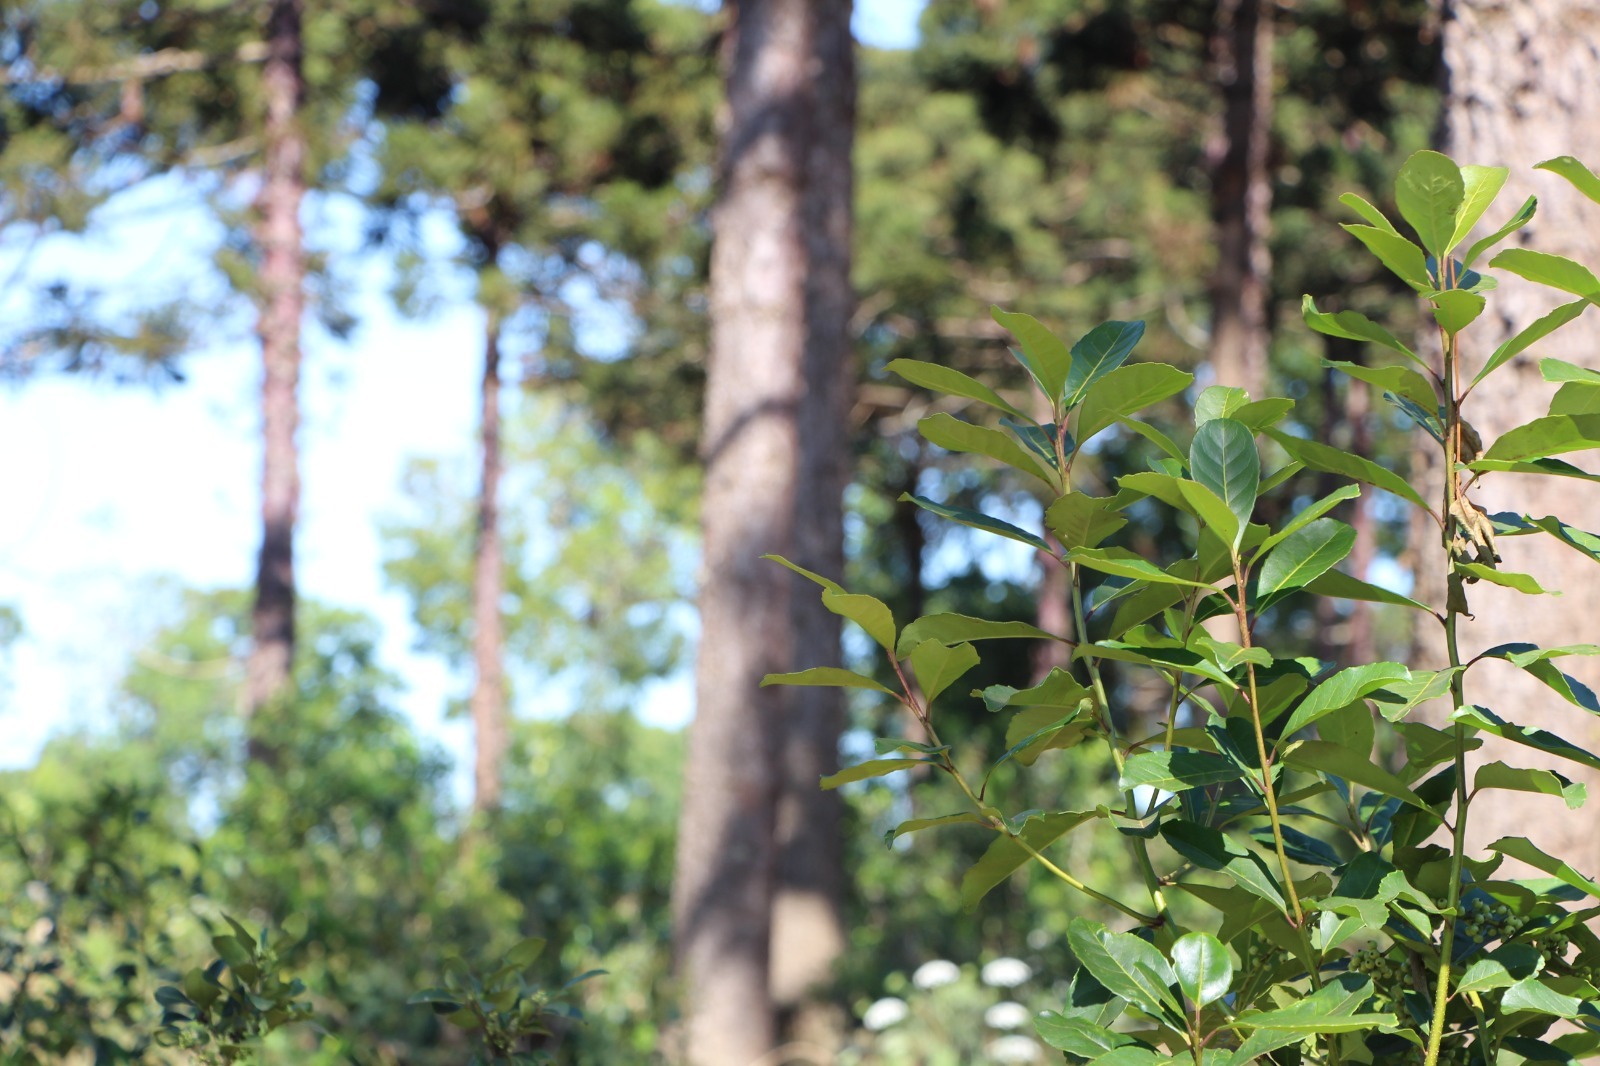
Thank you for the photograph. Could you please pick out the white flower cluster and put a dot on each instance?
(890, 1010)
(936, 974)
(1013, 1048)
(1005, 972)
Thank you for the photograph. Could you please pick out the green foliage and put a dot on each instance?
(1293, 908)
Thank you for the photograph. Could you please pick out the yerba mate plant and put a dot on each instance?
(1331, 924)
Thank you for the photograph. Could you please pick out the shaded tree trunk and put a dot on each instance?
(1521, 76)
(1241, 192)
(271, 660)
(808, 929)
(756, 389)
(488, 703)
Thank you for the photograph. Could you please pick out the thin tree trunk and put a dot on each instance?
(755, 388)
(1521, 77)
(488, 703)
(268, 671)
(808, 929)
(1242, 194)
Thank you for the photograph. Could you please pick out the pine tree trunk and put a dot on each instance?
(1521, 86)
(755, 389)
(808, 932)
(1241, 194)
(488, 703)
(268, 671)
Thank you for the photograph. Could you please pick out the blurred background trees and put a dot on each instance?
(1075, 159)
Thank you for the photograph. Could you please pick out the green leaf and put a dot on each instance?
(1082, 521)
(1579, 540)
(1429, 193)
(863, 771)
(830, 586)
(526, 952)
(1223, 458)
(1576, 398)
(1213, 850)
(1175, 771)
(1342, 689)
(914, 825)
(1340, 585)
(1538, 739)
(1539, 782)
(1257, 416)
(1333, 461)
(1333, 1008)
(1368, 212)
(1456, 309)
(1303, 556)
(1542, 268)
(1043, 354)
(1523, 216)
(1524, 849)
(1561, 370)
(231, 951)
(978, 520)
(1551, 435)
(1126, 390)
(1404, 259)
(1485, 975)
(1547, 467)
(1101, 351)
(937, 665)
(1531, 335)
(1203, 966)
(1123, 563)
(952, 383)
(1218, 401)
(1402, 381)
(1209, 508)
(826, 677)
(1005, 856)
(1078, 1036)
(953, 435)
(1154, 436)
(1531, 994)
(1505, 578)
(1536, 661)
(1321, 757)
(870, 614)
(1582, 178)
(1126, 965)
(1482, 185)
(954, 628)
(1310, 514)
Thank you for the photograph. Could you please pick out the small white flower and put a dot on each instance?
(1006, 972)
(934, 974)
(1013, 1048)
(1007, 1015)
(885, 1012)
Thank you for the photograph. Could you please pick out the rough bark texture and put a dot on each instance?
(268, 671)
(756, 391)
(808, 931)
(488, 703)
(1241, 194)
(1522, 75)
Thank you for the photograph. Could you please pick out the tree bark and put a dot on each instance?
(488, 703)
(723, 887)
(270, 665)
(1241, 194)
(1521, 77)
(808, 928)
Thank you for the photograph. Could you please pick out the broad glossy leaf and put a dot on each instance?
(1576, 398)
(1128, 966)
(1536, 661)
(1082, 521)
(1351, 726)
(1523, 216)
(826, 677)
(937, 665)
(953, 435)
(1538, 739)
(1005, 856)
(1342, 689)
(1558, 272)
(1456, 309)
(1078, 1036)
(1373, 216)
(1507, 523)
(1213, 850)
(952, 383)
(1215, 516)
(1058, 689)
(1203, 966)
(1303, 556)
(1154, 436)
(1126, 390)
(1340, 585)
(1485, 975)
(1310, 514)
(1530, 335)
(1099, 352)
(1333, 1008)
(1124, 563)
(1561, 370)
(1223, 458)
(1524, 849)
(1218, 401)
(1404, 259)
(1539, 782)
(1482, 185)
(870, 614)
(1582, 178)
(978, 520)
(826, 583)
(1043, 353)
(1352, 325)
(1259, 414)
(1510, 579)
(1548, 467)
(1174, 771)
(1321, 757)
(914, 825)
(863, 771)
(954, 628)
(1429, 193)
(1531, 994)
(1402, 381)
(1332, 460)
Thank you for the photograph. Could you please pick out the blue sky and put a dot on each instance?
(114, 494)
